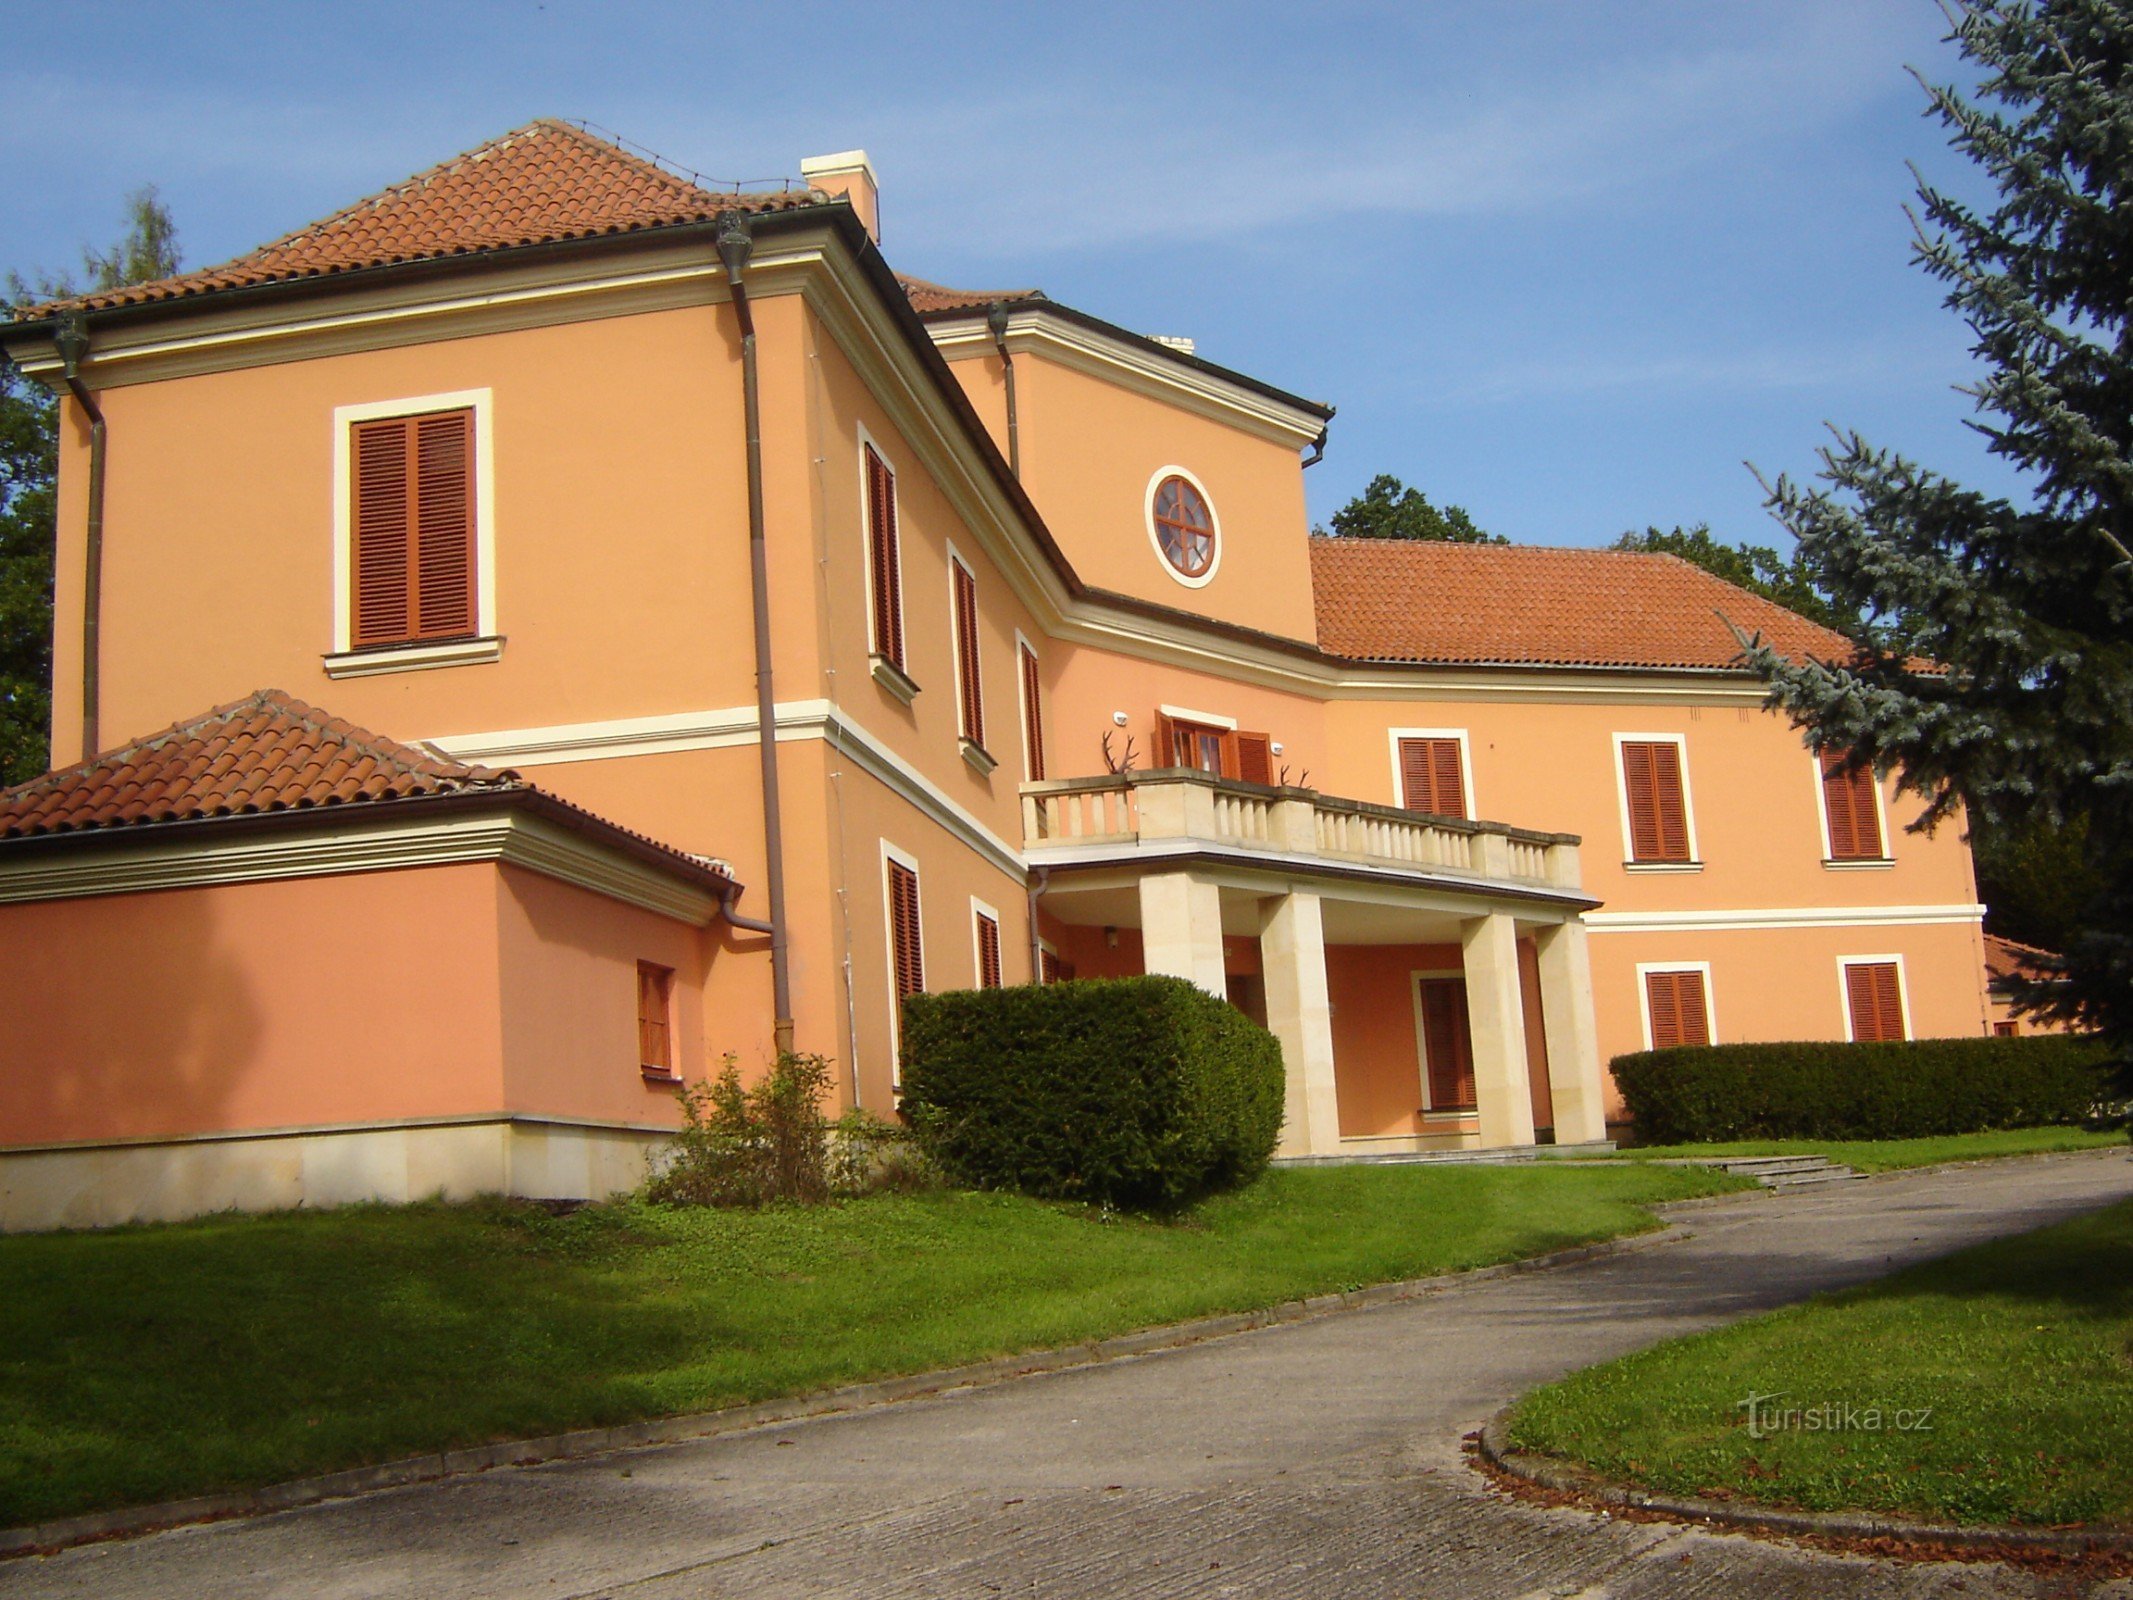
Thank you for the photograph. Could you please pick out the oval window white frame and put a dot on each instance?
(1155, 538)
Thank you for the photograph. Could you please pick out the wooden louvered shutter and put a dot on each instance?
(1854, 819)
(970, 686)
(414, 521)
(1658, 810)
(1875, 996)
(988, 952)
(1255, 757)
(1167, 753)
(906, 946)
(1448, 1043)
(1679, 1010)
(655, 1046)
(1430, 777)
(884, 561)
(1032, 716)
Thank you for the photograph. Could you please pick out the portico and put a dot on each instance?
(1427, 976)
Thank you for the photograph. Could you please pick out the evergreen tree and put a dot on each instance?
(1755, 567)
(1994, 667)
(29, 418)
(1388, 509)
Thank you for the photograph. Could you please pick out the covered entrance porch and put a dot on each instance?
(1427, 977)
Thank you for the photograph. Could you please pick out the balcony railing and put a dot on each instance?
(1179, 803)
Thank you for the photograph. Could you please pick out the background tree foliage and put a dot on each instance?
(1755, 567)
(1994, 664)
(1388, 509)
(29, 418)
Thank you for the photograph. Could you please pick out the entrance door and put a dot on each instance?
(1447, 1044)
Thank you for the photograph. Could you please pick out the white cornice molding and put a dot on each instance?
(730, 727)
(120, 864)
(1781, 917)
(1043, 331)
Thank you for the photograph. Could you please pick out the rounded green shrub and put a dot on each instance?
(1140, 1092)
(1916, 1089)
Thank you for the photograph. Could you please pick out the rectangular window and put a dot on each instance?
(1447, 1043)
(1224, 752)
(1656, 799)
(1432, 776)
(1851, 803)
(988, 931)
(412, 518)
(1873, 998)
(1678, 1006)
(907, 955)
(884, 561)
(2006, 1030)
(1054, 968)
(655, 1012)
(969, 678)
(1032, 715)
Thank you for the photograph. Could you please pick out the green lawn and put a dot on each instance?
(1888, 1155)
(146, 1363)
(2022, 1350)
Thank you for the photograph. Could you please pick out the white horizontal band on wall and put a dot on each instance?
(1764, 920)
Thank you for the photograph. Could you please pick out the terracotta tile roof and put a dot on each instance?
(267, 752)
(546, 181)
(1413, 600)
(2006, 959)
(935, 299)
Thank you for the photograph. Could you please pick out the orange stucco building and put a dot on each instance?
(529, 464)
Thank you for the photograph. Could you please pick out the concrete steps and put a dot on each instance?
(1784, 1173)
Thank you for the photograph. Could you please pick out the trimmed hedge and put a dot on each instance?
(1140, 1092)
(1917, 1089)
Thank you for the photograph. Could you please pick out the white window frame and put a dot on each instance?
(1630, 863)
(1155, 542)
(1022, 643)
(979, 908)
(1879, 863)
(1415, 981)
(1844, 990)
(1210, 719)
(878, 659)
(1393, 736)
(1644, 995)
(345, 660)
(907, 860)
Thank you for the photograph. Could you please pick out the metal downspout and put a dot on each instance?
(1038, 879)
(996, 320)
(734, 247)
(73, 343)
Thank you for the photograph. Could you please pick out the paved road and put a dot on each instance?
(1319, 1458)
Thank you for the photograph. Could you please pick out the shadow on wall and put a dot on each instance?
(125, 1016)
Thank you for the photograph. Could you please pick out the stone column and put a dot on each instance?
(1292, 949)
(1496, 1018)
(1181, 929)
(1576, 1085)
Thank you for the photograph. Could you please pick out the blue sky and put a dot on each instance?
(1568, 265)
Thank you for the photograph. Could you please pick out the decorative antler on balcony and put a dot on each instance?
(1302, 782)
(1120, 765)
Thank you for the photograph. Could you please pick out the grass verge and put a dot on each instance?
(2001, 1380)
(144, 1364)
(1890, 1155)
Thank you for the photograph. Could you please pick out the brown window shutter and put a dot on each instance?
(1166, 752)
(414, 521)
(1679, 1012)
(1032, 716)
(1430, 777)
(655, 1044)
(1658, 811)
(883, 561)
(1875, 995)
(1055, 968)
(988, 952)
(1255, 757)
(1448, 1042)
(970, 685)
(1854, 819)
(906, 944)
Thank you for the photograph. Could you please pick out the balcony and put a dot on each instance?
(1172, 812)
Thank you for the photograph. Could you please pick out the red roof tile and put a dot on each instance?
(267, 752)
(2006, 959)
(1527, 605)
(546, 181)
(934, 299)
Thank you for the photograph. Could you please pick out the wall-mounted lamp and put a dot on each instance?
(1110, 938)
(1120, 718)
(1275, 747)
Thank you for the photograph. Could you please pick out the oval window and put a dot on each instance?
(1184, 527)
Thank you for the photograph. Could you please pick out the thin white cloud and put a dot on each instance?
(1719, 372)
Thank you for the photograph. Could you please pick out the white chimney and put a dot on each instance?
(848, 175)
